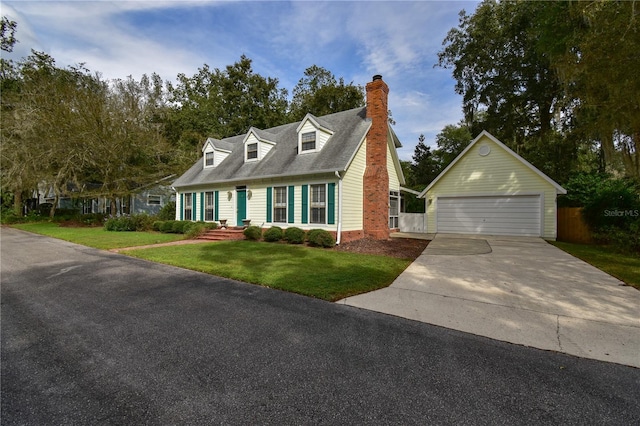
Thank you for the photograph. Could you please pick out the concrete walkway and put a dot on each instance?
(519, 290)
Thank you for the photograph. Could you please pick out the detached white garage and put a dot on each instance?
(490, 190)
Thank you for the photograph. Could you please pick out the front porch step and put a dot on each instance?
(222, 234)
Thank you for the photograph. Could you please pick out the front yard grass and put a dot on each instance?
(624, 267)
(97, 237)
(320, 273)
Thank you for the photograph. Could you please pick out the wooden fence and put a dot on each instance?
(571, 226)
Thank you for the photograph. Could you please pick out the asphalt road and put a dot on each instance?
(91, 337)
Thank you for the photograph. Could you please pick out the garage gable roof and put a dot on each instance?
(558, 188)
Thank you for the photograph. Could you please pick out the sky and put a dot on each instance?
(354, 40)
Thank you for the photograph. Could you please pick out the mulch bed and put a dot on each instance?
(403, 248)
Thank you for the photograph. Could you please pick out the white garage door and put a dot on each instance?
(502, 215)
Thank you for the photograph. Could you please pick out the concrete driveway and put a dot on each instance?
(518, 290)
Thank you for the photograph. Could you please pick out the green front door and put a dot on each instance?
(241, 208)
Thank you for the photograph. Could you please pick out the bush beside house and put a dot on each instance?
(610, 207)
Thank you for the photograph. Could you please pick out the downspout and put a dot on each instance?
(339, 232)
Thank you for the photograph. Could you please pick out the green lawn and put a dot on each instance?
(624, 267)
(98, 237)
(316, 272)
(321, 273)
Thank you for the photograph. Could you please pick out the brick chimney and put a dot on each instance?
(376, 177)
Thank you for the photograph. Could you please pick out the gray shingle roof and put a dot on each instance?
(350, 128)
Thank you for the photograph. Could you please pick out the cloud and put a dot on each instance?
(354, 40)
(96, 34)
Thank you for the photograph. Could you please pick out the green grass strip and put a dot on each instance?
(98, 237)
(624, 267)
(320, 273)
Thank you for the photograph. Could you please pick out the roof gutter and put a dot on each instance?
(258, 178)
(339, 231)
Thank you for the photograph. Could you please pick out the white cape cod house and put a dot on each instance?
(339, 172)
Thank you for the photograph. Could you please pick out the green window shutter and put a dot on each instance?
(216, 210)
(305, 203)
(202, 206)
(181, 207)
(193, 206)
(269, 204)
(331, 203)
(291, 204)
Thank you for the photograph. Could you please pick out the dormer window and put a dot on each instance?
(308, 141)
(313, 134)
(208, 159)
(252, 151)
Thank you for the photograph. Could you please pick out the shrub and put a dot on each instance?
(294, 235)
(168, 212)
(273, 234)
(120, 224)
(167, 226)
(320, 238)
(194, 229)
(157, 225)
(92, 219)
(624, 241)
(140, 222)
(253, 233)
(179, 226)
(616, 203)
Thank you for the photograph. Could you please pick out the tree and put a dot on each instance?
(593, 47)
(66, 130)
(7, 34)
(223, 103)
(508, 83)
(127, 145)
(451, 141)
(427, 164)
(425, 168)
(319, 93)
(553, 80)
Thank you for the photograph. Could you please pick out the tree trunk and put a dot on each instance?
(54, 206)
(17, 203)
(631, 155)
(608, 149)
(113, 207)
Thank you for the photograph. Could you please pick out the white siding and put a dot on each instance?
(321, 136)
(394, 182)
(352, 187)
(263, 149)
(226, 207)
(498, 173)
(219, 157)
(257, 205)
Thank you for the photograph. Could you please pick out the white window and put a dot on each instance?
(280, 204)
(154, 200)
(208, 206)
(252, 151)
(393, 209)
(308, 141)
(87, 206)
(208, 159)
(188, 205)
(318, 204)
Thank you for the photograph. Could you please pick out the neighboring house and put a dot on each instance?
(149, 199)
(339, 172)
(489, 189)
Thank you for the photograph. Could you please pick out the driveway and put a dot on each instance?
(517, 290)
